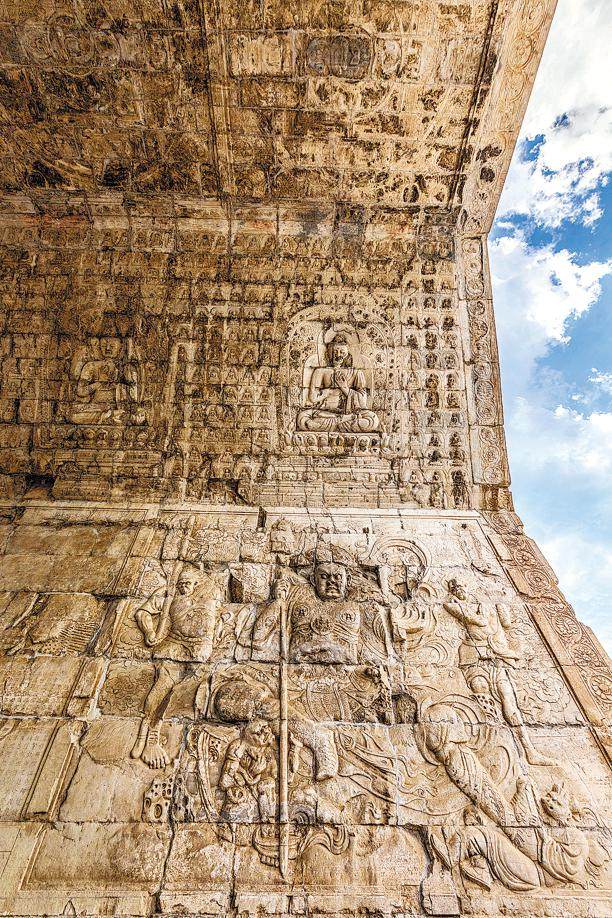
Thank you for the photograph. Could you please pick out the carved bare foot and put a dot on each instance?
(139, 745)
(154, 755)
(536, 758)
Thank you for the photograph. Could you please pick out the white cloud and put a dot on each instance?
(570, 167)
(570, 113)
(601, 380)
(537, 291)
(575, 70)
(563, 440)
(560, 451)
(562, 462)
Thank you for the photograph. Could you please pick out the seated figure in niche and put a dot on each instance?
(337, 398)
(432, 398)
(106, 383)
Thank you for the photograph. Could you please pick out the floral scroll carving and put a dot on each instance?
(488, 444)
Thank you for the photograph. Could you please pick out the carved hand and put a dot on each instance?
(281, 589)
(150, 636)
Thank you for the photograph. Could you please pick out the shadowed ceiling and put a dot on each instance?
(369, 102)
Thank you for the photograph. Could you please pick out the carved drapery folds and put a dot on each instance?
(271, 639)
(323, 697)
(340, 385)
(308, 694)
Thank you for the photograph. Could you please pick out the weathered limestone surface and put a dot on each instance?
(272, 639)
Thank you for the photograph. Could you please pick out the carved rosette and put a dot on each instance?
(489, 460)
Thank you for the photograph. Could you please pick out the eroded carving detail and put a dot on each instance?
(106, 383)
(487, 657)
(337, 392)
(178, 622)
(246, 283)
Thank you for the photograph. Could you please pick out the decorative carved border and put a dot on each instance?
(525, 29)
(485, 412)
(579, 654)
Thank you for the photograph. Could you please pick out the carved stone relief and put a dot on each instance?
(304, 742)
(271, 638)
(302, 692)
(339, 378)
(105, 383)
(577, 647)
(217, 403)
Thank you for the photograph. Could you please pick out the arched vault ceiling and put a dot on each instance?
(378, 103)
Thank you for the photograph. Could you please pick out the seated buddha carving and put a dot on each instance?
(337, 396)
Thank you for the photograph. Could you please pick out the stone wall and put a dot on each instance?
(176, 361)
(272, 640)
(229, 711)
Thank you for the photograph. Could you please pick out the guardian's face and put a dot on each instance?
(186, 583)
(330, 581)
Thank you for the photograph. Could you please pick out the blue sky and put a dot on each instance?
(551, 266)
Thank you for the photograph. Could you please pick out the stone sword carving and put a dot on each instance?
(283, 778)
